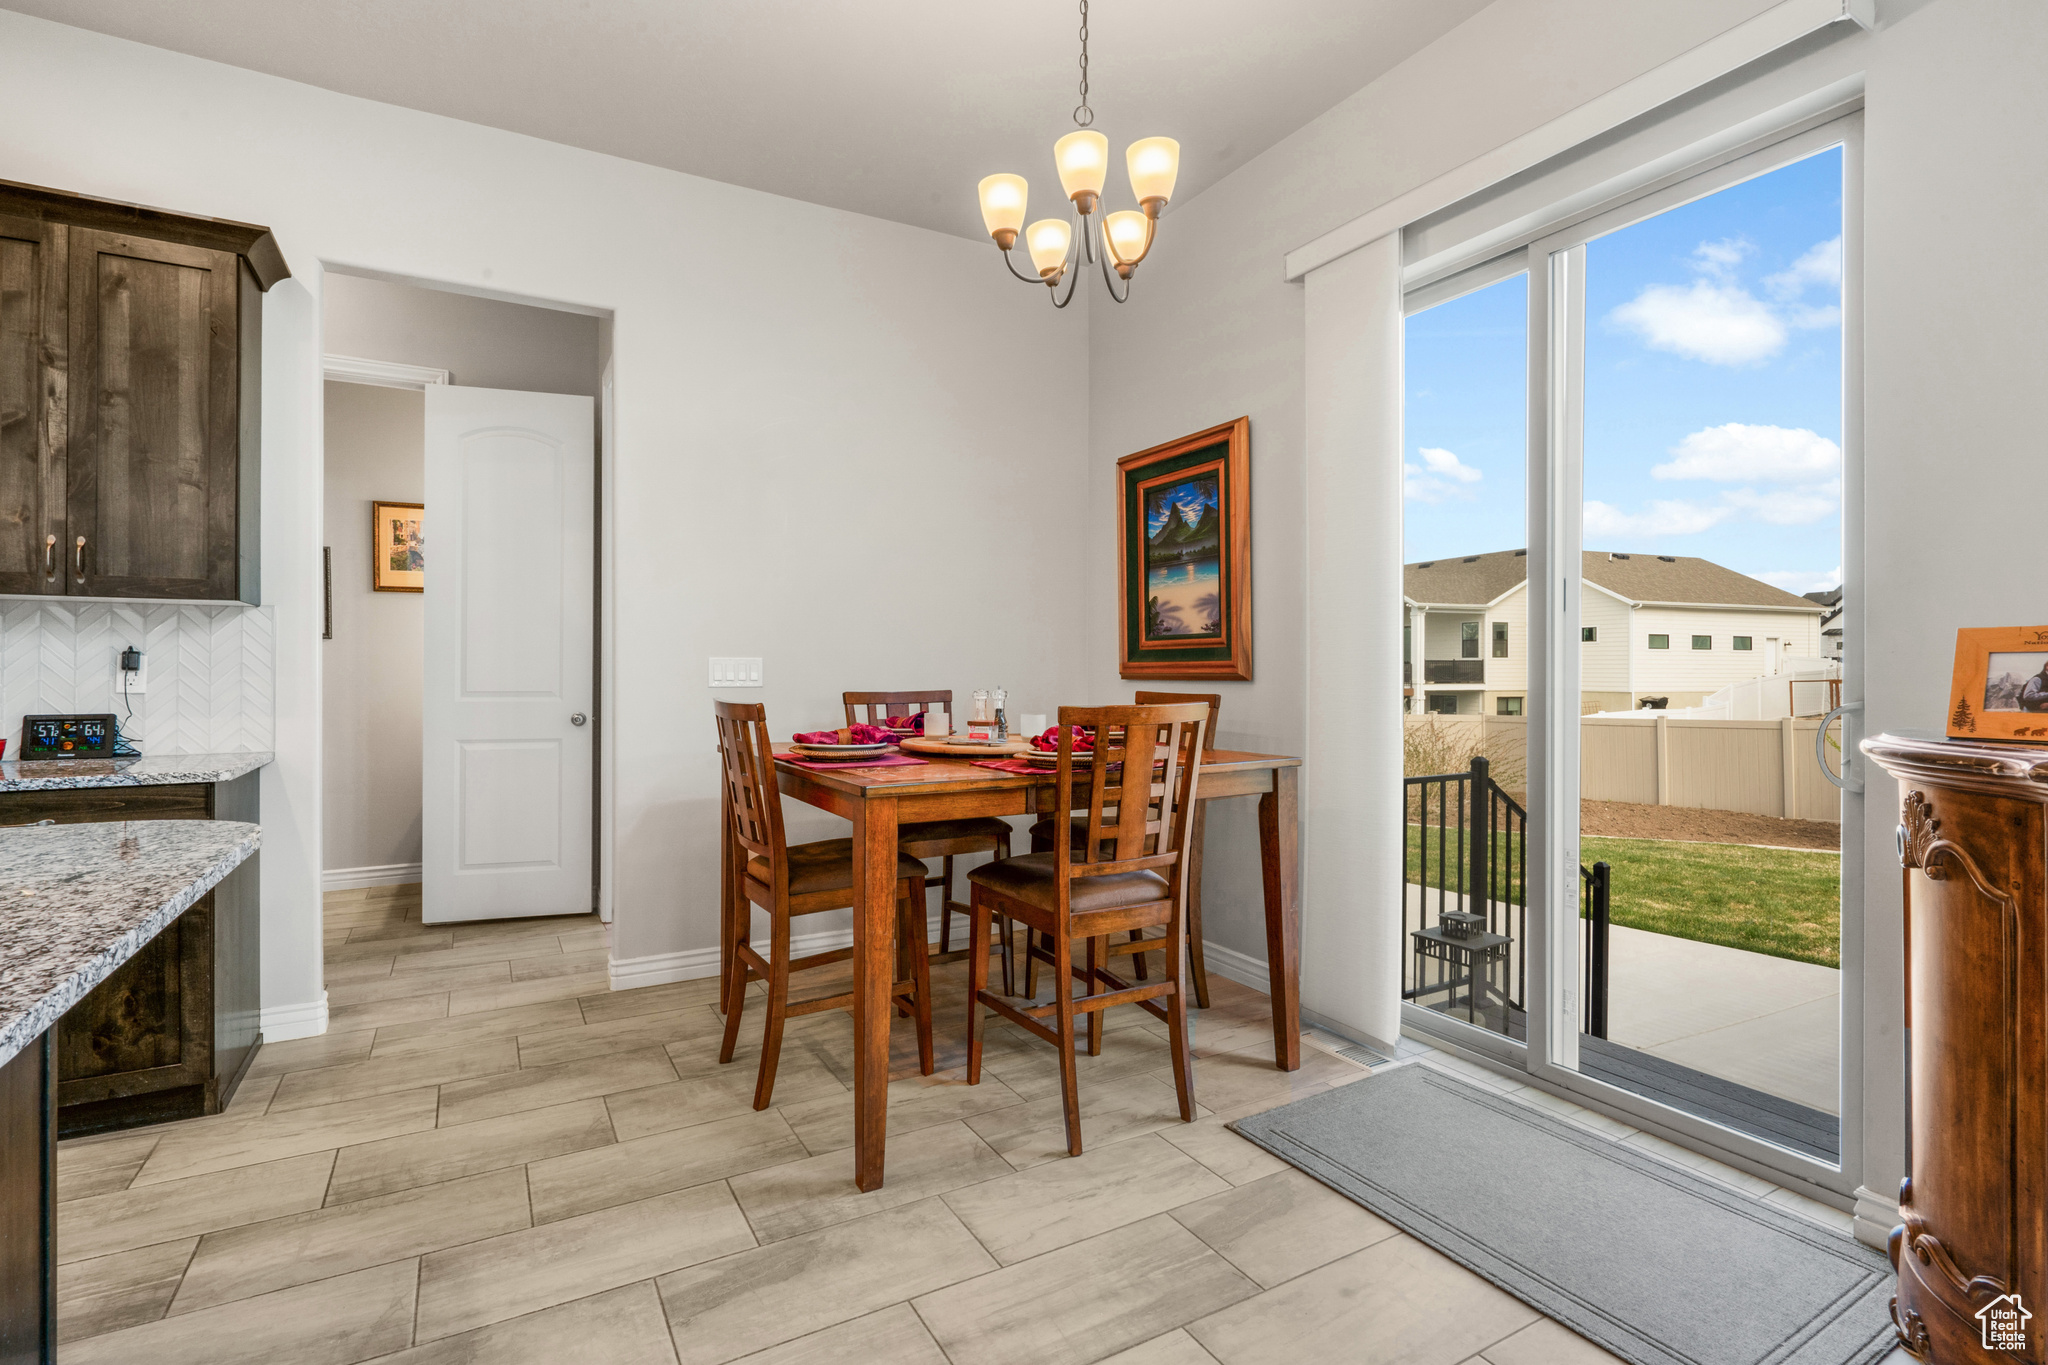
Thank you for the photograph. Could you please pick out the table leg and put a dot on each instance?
(1280, 862)
(874, 960)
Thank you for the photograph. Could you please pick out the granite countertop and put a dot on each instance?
(77, 901)
(151, 770)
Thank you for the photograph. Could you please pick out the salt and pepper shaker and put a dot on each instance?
(981, 704)
(1002, 700)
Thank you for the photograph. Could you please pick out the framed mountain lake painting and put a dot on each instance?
(398, 547)
(1184, 571)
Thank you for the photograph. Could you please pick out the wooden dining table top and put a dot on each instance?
(950, 770)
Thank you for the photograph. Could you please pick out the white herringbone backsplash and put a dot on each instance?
(212, 674)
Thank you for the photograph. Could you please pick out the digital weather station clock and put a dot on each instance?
(46, 737)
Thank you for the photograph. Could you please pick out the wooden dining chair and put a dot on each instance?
(943, 839)
(1127, 872)
(1041, 840)
(791, 880)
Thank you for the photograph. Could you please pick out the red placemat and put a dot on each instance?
(829, 764)
(1011, 765)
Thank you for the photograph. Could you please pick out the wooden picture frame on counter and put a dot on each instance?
(1184, 557)
(2000, 687)
(398, 547)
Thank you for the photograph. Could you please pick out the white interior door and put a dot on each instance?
(505, 828)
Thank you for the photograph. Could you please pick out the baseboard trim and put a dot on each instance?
(357, 878)
(1876, 1216)
(694, 964)
(1242, 968)
(281, 1023)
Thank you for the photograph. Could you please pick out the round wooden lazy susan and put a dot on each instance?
(963, 749)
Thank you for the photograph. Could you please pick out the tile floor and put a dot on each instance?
(491, 1158)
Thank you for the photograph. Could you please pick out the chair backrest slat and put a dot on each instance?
(753, 804)
(1214, 700)
(879, 704)
(1137, 794)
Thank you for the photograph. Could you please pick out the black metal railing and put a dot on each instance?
(1595, 883)
(1454, 670)
(1467, 858)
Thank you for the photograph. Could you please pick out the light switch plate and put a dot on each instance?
(735, 672)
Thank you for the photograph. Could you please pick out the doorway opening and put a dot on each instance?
(461, 659)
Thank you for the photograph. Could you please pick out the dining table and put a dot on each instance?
(877, 801)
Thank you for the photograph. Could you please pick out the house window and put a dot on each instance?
(1500, 642)
(1443, 703)
(1742, 642)
(1660, 642)
(1588, 634)
(1468, 639)
(1508, 706)
(1702, 642)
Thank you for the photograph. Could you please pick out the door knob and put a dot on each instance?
(578, 719)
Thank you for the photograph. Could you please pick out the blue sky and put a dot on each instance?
(1713, 390)
(1192, 499)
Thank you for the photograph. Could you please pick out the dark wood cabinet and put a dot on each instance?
(1973, 1231)
(130, 392)
(170, 1034)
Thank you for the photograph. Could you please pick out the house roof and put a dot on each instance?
(1473, 580)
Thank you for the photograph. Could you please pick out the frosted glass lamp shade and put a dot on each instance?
(1048, 239)
(1083, 160)
(1124, 234)
(1002, 207)
(1154, 164)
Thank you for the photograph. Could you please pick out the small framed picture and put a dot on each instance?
(2000, 690)
(398, 547)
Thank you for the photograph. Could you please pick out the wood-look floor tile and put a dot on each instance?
(190, 1150)
(1085, 1301)
(621, 1172)
(402, 934)
(676, 995)
(108, 1293)
(539, 1087)
(329, 1322)
(85, 1184)
(1175, 1348)
(805, 1195)
(618, 1327)
(1236, 1159)
(1035, 1132)
(439, 1034)
(584, 940)
(377, 1014)
(1282, 1226)
(361, 965)
(915, 1102)
(825, 1039)
(1544, 1342)
(695, 1024)
(246, 1261)
(107, 1223)
(490, 930)
(559, 964)
(427, 1158)
(679, 1104)
(308, 1054)
(503, 1277)
(1038, 1210)
(451, 979)
(106, 1149)
(745, 1303)
(1033, 1072)
(546, 947)
(1413, 1304)
(383, 1075)
(893, 1336)
(1230, 1082)
(509, 994)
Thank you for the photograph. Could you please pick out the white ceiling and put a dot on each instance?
(882, 107)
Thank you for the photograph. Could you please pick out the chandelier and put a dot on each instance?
(1060, 248)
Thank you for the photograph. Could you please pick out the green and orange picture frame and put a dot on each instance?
(1184, 542)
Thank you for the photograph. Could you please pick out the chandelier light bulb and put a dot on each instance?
(1083, 160)
(1124, 233)
(1002, 207)
(1048, 239)
(1154, 164)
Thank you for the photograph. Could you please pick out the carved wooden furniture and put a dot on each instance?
(1124, 874)
(945, 839)
(788, 881)
(877, 799)
(172, 1032)
(1974, 1203)
(130, 348)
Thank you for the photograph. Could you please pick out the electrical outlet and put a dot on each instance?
(735, 672)
(136, 682)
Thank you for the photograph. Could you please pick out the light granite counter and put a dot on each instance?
(77, 901)
(151, 770)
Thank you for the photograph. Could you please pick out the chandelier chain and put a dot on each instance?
(1083, 115)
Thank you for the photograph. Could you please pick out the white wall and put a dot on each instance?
(482, 343)
(795, 387)
(372, 670)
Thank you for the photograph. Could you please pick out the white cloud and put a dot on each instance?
(1802, 580)
(1719, 259)
(1821, 264)
(1789, 506)
(1440, 476)
(1665, 518)
(1722, 324)
(1741, 452)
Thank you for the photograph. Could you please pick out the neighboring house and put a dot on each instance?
(1831, 623)
(1651, 626)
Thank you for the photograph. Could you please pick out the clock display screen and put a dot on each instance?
(68, 737)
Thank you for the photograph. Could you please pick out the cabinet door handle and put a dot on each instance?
(49, 556)
(81, 559)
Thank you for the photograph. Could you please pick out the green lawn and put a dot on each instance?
(1781, 902)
